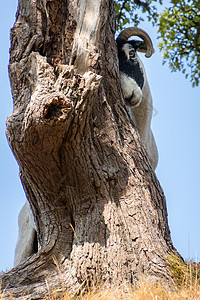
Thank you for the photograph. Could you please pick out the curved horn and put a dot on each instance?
(135, 31)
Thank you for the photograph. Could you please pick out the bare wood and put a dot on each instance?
(99, 209)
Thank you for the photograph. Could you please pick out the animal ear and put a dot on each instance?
(140, 46)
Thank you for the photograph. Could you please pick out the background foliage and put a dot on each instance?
(178, 30)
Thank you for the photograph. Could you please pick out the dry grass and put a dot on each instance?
(186, 275)
(146, 291)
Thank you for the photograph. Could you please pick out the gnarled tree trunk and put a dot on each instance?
(98, 207)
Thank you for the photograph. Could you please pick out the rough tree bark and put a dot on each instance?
(99, 209)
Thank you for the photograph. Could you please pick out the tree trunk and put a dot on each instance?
(99, 210)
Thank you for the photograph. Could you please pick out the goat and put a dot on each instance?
(138, 99)
(135, 86)
(27, 236)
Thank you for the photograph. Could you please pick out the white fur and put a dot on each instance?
(129, 88)
(126, 48)
(26, 236)
(141, 116)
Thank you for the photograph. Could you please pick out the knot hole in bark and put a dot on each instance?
(57, 108)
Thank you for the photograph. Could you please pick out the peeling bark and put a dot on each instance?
(99, 209)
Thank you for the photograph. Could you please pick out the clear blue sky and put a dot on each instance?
(176, 126)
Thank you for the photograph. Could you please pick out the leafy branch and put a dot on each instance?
(134, 11)
(179, 29)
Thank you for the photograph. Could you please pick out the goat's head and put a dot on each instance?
(132, 74)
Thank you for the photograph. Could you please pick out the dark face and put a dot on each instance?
(128, 62)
